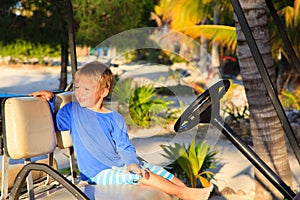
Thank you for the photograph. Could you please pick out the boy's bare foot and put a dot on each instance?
(198, 193)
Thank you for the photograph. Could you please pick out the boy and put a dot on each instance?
(100, 139)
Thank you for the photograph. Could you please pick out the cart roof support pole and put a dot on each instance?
(71, 33)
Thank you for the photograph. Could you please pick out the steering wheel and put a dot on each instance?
(201, 108)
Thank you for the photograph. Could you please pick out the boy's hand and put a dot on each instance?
(134, 168)
(45, 94)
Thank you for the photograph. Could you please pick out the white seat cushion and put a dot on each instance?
(29, 128)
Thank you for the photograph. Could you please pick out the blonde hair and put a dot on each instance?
(99, 72)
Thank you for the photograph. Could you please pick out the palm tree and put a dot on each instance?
(224, 33)
(266, 129)
(198, 12)
(199, 20)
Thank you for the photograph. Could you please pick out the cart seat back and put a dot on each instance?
(63, 137)
(29, 129)
(64, 140)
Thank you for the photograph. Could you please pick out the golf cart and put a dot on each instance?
(205, 109)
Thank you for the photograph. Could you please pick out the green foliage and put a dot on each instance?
(67, 171)
(123, 90)
(187, 16)
(26, 51)
(195, 161)
(37, 22)
(140, 105)
(99, 20)
(154, 56)
(290, 99)
(32, 30)
(223, 35)
(235, 114)
(144, 107)
(238, 120)
(288, 11)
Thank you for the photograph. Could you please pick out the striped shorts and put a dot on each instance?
(118, 175)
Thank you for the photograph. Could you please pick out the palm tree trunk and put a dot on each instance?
(267, 133)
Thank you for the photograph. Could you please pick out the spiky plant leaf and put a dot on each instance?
(204, 182)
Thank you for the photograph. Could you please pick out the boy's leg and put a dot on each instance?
(115, 176)
(170, 188)
(177, 181)
(158, 170)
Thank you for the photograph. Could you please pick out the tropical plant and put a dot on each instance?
(144, 107)
(188, 16)
(195, 18)
(122, 90)
(221, 34)
(236, 114)
(140, 105)
(121, 93)
(289, 13)
(290, 99)
(194, 161)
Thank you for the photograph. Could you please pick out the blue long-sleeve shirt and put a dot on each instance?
(100, 140)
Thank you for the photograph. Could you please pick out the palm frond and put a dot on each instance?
(297, 9)
(288, 14)
(223, 35)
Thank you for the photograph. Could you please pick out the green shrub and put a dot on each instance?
(21, 51)
(122, 92)
(193, 162)
(140, 105)
(235, 114)
(154, 56)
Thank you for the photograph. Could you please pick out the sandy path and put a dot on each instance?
(23, 80)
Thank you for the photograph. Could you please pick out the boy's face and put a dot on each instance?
(86, 92)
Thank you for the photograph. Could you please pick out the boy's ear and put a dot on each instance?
(105, 92)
